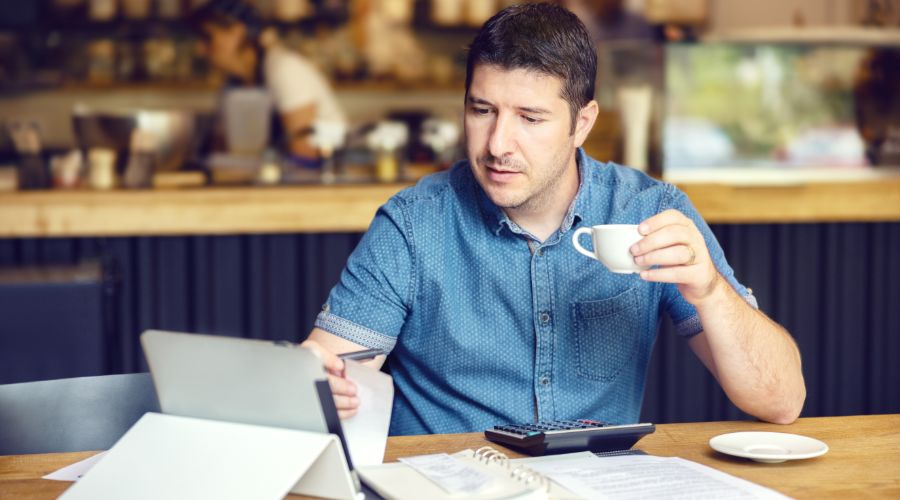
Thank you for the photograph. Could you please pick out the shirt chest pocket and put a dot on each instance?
(607, 333)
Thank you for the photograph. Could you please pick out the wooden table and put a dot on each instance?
(863, 460)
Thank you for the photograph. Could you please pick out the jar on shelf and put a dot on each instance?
(128, 60)
(136, 10)
(102, 10)
(327, 137)
(101, 61)
(159, 58)
(101, 168)
(386, 141)
(168, 9)
(289, 11)
(142, 159)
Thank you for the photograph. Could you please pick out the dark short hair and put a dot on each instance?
(224, 13)
(540, 37)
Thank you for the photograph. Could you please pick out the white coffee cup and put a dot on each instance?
(611, 246)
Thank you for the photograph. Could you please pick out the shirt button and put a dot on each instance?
(545, 380)
(544, 317)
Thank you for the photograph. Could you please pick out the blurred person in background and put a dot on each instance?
(236, 44)
(877, 104)
(611, 20)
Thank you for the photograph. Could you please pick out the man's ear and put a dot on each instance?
(584, 122)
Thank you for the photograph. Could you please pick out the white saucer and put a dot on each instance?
(768, 447)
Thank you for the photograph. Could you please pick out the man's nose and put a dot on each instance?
(501, 142)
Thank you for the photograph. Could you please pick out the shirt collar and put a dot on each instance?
(579, 205)
(496, 218)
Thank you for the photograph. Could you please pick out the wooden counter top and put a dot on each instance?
(349, 208)
(863, 201)
(239, 210)
(861, 460)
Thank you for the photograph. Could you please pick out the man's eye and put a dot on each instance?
(530, 119)
(481, 111)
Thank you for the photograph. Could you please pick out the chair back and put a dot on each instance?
(73, 414)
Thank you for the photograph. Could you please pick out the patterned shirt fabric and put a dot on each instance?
(487, 325)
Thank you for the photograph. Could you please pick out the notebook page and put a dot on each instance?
(451, 474)
(641, 477)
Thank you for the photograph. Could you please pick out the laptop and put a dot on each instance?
(274, 384)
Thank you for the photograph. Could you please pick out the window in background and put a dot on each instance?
(784, 106)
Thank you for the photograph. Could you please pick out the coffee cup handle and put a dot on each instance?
(581, 249)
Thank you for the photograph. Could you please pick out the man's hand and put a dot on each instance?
(754, 359)
(342, 388)
(673, 242)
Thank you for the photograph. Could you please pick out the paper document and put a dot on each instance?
(640, 477)
(74, 471)
(367, 431)
(451, 474)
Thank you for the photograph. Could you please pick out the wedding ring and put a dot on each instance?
(690, 261)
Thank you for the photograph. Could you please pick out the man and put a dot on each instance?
(491, 316)
(235, 44)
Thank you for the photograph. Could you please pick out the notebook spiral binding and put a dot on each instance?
(529, 477)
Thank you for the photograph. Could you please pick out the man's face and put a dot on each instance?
(518, 137)
(223, 45)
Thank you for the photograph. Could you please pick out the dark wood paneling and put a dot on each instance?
(835, 287)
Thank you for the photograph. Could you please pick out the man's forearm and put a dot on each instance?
(754, 359)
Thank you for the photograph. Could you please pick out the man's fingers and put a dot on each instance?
(663, 219)
(663, 237)
(341, 386)
(331, 361)
(676, 255)
(666, 274)
(346, 403)
(345, 414)
(344, 393)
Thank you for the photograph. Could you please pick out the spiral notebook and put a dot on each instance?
(487, 474)
(483, 474)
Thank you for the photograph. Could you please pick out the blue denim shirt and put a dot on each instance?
(487, 325)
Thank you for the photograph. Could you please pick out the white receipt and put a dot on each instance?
(639, 477)
(367, 431)
(450, 473)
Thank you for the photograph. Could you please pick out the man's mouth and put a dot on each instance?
(503, 167)
(502, 170)
(499, 170)
(500, 175)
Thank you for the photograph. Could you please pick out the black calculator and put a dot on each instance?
(567, 436)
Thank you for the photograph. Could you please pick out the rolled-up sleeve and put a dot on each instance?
(370, 303)
(683, 314)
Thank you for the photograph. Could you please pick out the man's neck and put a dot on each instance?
(544, 219)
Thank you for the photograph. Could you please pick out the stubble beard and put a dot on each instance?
(538, 196)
